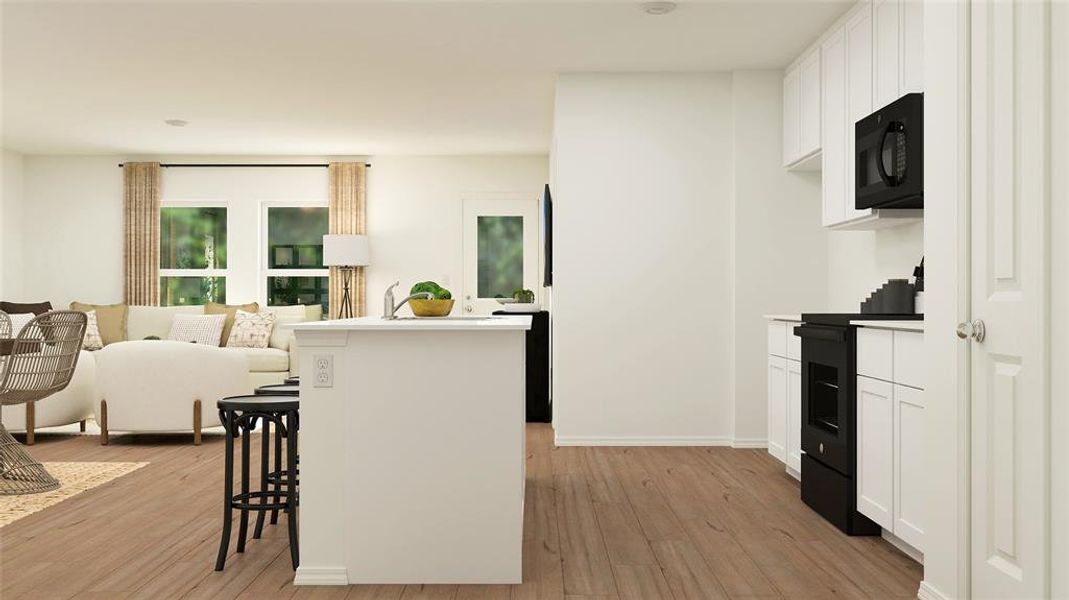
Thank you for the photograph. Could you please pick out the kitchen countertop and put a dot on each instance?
(797, 317)
(488, 323)
(897, 325)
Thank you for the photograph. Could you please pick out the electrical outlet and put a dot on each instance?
(323, 377)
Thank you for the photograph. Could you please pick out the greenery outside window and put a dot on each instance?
(193, 249)
(293, 270)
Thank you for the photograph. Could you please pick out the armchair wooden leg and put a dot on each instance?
(103, 422)
(31, 417)
(196, 422)
(81, 425)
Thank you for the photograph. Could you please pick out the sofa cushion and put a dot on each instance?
(111, 319)
(145, 321)
(283, 332)
(251, 330)
(230, 310)
(265, 360)
(14, 308)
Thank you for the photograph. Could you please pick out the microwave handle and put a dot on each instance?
(888, 180)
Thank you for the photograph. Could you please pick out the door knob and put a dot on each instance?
(975, 330)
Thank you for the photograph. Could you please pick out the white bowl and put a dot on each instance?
(521, 307)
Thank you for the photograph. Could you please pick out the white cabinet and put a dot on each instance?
(890, 433)
(777, 407)
(833, 122)
(911, 50)
(785, 395)
(887, 68)
(801, 113)
(858, 34)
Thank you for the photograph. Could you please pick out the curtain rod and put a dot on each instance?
(172, 165)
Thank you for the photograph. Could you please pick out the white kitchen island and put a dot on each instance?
(412, 459)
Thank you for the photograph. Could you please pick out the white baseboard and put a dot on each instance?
(744, 443)
(927, 592)
(642, 441)
(902, 545)
(321, 576)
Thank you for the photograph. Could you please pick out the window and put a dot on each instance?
(293, 254)
(192, 254)
(500, 256)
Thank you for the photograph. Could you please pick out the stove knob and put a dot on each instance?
(822, 447)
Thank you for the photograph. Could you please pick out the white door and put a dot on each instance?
(500, 250)
(1010, 205)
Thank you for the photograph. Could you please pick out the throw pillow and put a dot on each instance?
(200, 329)
(251, 330)
(37, 308)
(111, 320)
(230, 310)
(92, 339)
(18, 321)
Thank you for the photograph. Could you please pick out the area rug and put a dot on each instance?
(74, 478)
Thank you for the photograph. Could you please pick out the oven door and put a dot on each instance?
(827, 395)
(889, 156)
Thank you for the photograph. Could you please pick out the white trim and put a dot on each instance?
(903, 546)
(321, 576)
(207, 272)
(927, 592)
(261, 245)
(749, 443)
(642, 441)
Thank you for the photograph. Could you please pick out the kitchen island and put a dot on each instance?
(411, 450)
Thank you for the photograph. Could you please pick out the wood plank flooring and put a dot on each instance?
(600, 523)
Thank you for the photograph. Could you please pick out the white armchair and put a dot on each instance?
(163, 386)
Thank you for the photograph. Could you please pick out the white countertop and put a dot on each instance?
(488, 323)
(795, 318)
(897, 325)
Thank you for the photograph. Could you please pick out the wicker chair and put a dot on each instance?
(41, 362)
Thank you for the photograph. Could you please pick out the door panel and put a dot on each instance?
(777, 407)
(500, 250)
(794, 415)
(875, 451)
(833, 135)
(859, 86)
(1010, 207)
(910, 466)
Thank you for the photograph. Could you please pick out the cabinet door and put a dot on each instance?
(912, 46)
(809, 100)
(777, 407)
(794, 416)
(909, 466)
(791, 104)
(886, 19)
(875, 451)
(858, 92)
(833, 126)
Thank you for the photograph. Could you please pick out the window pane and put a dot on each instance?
(295, 236)
(286, 291)
(180, 291)
(500, 256)
(192, 237)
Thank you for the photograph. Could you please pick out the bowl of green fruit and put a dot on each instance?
(438, 306)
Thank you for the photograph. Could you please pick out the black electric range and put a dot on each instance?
(829, 416)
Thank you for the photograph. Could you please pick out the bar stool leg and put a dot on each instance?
(275, 486)
(228, 492)
(291, 485)
(265, 458)
(244, 529)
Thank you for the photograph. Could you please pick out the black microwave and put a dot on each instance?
(889, 156)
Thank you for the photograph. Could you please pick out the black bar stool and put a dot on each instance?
(295, 380)
(278, 478)
(239, 415)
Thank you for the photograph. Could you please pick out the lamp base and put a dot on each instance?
(345, 311)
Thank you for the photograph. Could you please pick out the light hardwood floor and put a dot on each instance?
(604, 523)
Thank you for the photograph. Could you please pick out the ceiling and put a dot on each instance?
(349, 78)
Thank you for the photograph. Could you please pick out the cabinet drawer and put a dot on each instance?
(777, 338)
(875, 355)
(909, 358)
(794, 343)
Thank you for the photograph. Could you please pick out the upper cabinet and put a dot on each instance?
(801, 114)
(870, 58)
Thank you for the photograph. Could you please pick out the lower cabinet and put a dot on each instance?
(890, 457)
(777, 407)
(785, 396)
(794, 418)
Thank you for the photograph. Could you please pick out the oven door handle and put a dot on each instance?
(827, 334)
(888, 180)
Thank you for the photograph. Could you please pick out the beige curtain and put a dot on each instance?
(348, 198)
(141, 233)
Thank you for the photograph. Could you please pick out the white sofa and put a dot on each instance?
(163, 386)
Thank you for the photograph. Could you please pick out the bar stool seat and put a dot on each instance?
(240, 416)
(279, 389)
(295, 380)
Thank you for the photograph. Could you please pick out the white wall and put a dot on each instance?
(11, 226)
(642, 258)
(861, 261)
(780, 249)
(73, 216)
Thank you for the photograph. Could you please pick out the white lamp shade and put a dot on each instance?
(346, 250)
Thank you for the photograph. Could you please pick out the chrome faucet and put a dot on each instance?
(389, 309)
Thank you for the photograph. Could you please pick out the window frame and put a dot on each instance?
(262, 250)
(206, 272)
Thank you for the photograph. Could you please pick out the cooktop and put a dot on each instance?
(843, 319)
